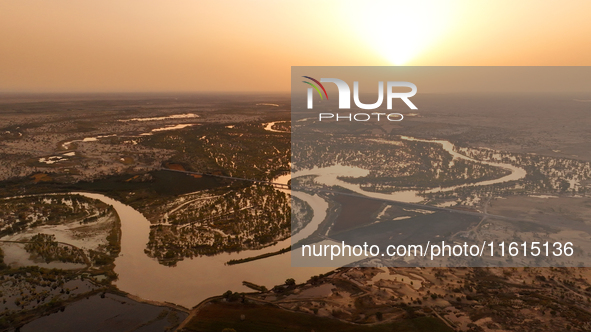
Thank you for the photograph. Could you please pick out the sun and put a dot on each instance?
(400, 30)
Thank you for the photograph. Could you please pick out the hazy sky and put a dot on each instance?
(191, 45)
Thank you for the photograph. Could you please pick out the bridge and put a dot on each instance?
(274, 184)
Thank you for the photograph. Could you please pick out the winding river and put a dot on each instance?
(517, 173)
(192, 280)
(329, 176)
(269, 127)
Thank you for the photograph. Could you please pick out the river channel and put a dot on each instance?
(193, 280)
(329, 176)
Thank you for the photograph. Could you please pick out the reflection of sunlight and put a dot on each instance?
(400, 30)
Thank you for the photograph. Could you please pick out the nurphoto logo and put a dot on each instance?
(345, 99)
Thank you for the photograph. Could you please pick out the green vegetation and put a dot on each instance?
(247, 218)
(82, 215)
(45, 247)
(302, 214)
(266, 318)
(106, 254)
(254, 258)
(257, 154)
(18, 214)
(31, 292)
(397, 165)
(393, 167)
(256, 287)
(2, 264)
(230, 296)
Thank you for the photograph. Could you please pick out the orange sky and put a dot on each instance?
(191, 45)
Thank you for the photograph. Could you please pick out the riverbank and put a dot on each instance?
(192, 280)
(254, 258)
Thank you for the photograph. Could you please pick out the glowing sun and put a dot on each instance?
(400, 30)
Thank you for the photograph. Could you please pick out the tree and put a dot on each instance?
(290, 282)
(379, 315)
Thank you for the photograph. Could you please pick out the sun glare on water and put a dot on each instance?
(400, 30)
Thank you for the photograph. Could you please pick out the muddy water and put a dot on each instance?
(192, 280)
(329, 176)
(269, 127)
(517, 173)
